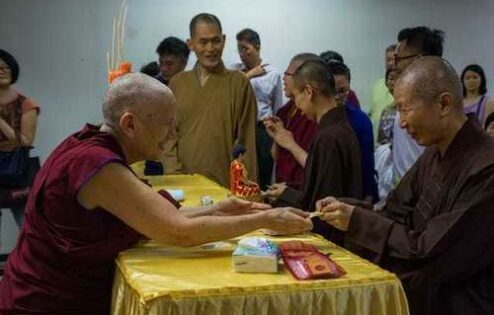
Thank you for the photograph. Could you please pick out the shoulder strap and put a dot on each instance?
(479, 106)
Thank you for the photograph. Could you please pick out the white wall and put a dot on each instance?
(61, 44)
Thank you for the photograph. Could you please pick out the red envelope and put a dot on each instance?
(305, 262)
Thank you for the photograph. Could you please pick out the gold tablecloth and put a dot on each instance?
(155, 279)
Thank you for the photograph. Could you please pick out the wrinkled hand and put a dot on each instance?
(335, 212)
(235, 206)
(255, 72)
(274, 191)
(288, 220)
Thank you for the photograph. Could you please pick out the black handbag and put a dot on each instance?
(13, 166)
(13, 163)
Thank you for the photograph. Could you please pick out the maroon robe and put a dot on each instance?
(304, 131)
(64, 258)
(437, 228)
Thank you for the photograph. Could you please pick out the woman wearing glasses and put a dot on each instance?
(18, 118)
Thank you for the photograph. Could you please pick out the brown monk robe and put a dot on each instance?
(436, 230)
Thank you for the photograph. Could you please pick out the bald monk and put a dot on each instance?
(87, 205)
(436, 229)
(216, 108)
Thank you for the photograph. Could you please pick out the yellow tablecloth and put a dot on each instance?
(155, 279)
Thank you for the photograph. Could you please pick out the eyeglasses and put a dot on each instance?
(398, 59)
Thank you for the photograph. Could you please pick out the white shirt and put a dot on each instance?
(268, 90)
(405, 150)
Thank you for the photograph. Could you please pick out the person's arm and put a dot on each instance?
(278, 94)
(385, 236)
(274, 151)
(28, 130)
(226, 207)
(148, 213)
(284, 138)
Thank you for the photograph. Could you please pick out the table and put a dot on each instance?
(155, 279)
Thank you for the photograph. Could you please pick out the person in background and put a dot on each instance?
(331, 55)
(291, 131)
(216, 109)
(381, 96)
(152, 69)
(173, 54)
(385, 129)
(413, 43)
(475, 98)
(361, 126)
(268, 89)
(18, 124)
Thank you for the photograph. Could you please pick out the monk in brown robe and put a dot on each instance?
(216, 108)
(436, 229)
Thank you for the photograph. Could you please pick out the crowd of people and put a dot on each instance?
(408, 185)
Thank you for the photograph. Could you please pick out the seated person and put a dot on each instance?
(87, 205)
(333, 162)
(435, 230)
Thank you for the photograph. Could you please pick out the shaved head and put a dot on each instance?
(134, 92)
(428, 77)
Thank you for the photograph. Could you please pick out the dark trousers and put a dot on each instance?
(264, 159)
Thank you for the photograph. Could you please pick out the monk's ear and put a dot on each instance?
(190, 44)
(446, 103)
(127, 124)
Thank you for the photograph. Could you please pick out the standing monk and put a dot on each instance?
(216, 107)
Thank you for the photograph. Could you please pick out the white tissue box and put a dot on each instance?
(255, 255)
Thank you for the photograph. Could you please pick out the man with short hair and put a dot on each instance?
(173, 55)
(413, 43)
(435, 230)
(216, 108)
(87, 205)
(268, 89)
(333, 163)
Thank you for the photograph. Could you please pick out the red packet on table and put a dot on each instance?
(305, 262)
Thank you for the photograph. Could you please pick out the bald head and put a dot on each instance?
(134, 92)
(428, 77)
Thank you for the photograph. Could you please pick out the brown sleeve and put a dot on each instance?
(170, 160)
(383, 235)
(246, 125)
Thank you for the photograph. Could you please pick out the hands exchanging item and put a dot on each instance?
(274, 191)
(334, 212)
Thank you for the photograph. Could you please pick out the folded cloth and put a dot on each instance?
(305, 261)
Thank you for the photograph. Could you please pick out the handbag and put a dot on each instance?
(13, 163)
